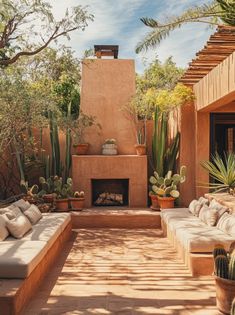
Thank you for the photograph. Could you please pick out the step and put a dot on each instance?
(109, 217)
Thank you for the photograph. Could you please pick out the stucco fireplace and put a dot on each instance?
(107, 86)
(92, 168)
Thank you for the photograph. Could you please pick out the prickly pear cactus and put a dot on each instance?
(167, 187)
(221, 266)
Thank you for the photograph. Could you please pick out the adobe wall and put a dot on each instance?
(107, 86)
(195, 147)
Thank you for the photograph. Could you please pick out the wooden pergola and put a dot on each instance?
(219, 46)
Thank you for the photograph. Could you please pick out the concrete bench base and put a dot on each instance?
(199, 264)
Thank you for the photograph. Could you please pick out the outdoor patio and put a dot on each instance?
(121, 271)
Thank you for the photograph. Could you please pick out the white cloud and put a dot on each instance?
(117, 22)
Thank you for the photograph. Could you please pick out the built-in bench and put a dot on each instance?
(193, 239)
(25, 262)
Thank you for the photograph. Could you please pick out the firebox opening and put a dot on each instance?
(110, 192)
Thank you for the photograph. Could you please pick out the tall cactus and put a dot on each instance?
(55, 145)
(219, 250)
(68, 159)
(159, 140)
(221, 266)
(231, 271)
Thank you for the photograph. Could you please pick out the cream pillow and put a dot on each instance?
(11, 212)
(22, 204)
(33, 214)
(227, 224)
(208, 215)
(19, 226)
(196, 205)
(220, 208)
(204, 201)
(3, 229)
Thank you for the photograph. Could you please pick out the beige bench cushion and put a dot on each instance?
(18, 258)
(184, 222)
(202, 238)
(177, 213)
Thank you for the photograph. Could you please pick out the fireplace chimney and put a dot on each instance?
(106, 51)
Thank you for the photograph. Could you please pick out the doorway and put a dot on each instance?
(222, 133)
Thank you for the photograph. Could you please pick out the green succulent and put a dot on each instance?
(167, 186)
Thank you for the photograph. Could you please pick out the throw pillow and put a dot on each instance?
(3, 229)
(19, 226)
(11, 212)
(220, 208)
(196, 205)
(33, 214)
(22, 204)
(203, 201)
(208, 215)
(227, 224)
(192, 206)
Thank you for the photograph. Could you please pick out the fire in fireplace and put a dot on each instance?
(110, 192)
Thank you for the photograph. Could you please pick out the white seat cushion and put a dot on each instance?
(18, 258)
(168, 214)
(202, 238)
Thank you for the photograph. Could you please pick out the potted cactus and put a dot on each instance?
(63, 192)
(47, 191)
(166, 188)
(224, 273)
(77, 201)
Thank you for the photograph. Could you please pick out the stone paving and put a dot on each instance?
(122, 272)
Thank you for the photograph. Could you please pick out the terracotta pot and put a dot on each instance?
(62, 205)
(225, 293)
(166, 202)
(48, 198)
(76, 203)
(140, 149)
(155, 203)
(82, 148)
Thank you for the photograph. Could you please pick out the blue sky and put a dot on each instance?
(118, 22)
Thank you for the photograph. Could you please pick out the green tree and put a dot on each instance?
(218, 12)
(28, 27)
(159, 75)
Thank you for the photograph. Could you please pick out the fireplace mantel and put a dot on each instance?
(132, 167)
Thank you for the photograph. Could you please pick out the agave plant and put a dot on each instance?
(222, 170)
(217, 12)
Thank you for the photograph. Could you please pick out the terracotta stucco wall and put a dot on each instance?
(195, 147)
(107, 86)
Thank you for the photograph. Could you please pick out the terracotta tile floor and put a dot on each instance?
(122, 272)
